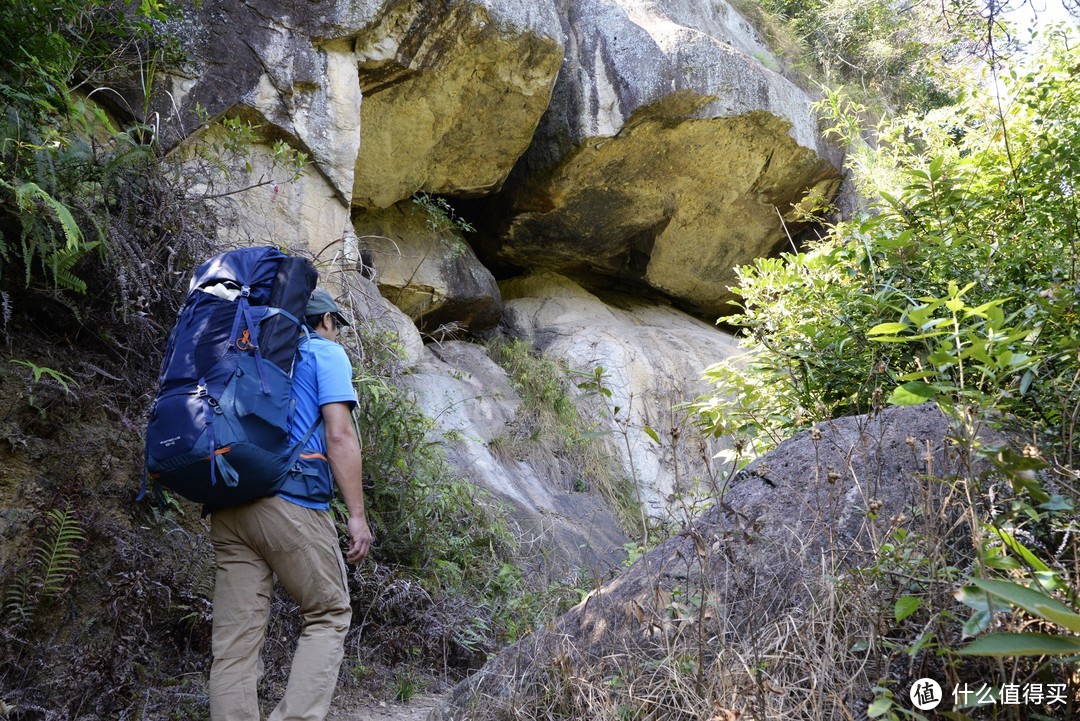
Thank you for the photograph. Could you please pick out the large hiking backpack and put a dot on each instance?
(218, 432)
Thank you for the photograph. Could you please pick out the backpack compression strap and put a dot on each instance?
(219, 458)
(251, 336)
(249, 341)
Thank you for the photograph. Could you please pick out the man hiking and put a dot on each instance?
(290, 535)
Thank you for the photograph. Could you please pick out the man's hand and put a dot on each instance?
(359, 539)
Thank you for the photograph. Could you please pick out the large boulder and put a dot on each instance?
(669, 155)
(742, 576)
(424, 266)
(452, 94)
(662, 151)
(261, 77)
(285, 66)
(652, 358)
(474, 406)
(383, 320)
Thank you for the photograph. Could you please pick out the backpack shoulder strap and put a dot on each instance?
(302, 444)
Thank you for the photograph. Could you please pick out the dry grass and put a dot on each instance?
(739, 620)
(552, 430)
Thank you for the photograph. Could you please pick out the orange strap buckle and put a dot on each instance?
(219, 452)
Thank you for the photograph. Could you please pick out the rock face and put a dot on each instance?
(652, 358)
(638, 145)
(427, 269)
(452, 94)
(384, 317)
(668, 154)
(648, 143)
(824, 498)
(474, 406)
(258, 202)
(290, 72)
(656, 145)
(290, 68)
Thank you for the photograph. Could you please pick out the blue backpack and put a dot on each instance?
(218, 431)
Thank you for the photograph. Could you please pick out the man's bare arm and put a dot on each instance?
(343, 450)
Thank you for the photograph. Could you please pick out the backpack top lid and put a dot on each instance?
(253, 267)
(266, 320)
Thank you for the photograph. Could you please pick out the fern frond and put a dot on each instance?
(18, 604)
(4, 247)
(32, 232)
(63, 260)
(57, 555)
(29, 192)
(40, 216)
(62, 378)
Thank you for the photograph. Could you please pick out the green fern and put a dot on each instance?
(56, 558)
(51, 567)
(61, 263)
(40, 214)
(18, 601)
(28, 195)
(66, 381)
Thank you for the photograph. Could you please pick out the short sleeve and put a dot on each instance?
(334, 375)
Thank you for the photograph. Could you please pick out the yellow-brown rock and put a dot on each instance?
(424, 267)
(676, 204)
(452, 95)
(670, 154)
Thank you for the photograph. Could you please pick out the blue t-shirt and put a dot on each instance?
(323, 375)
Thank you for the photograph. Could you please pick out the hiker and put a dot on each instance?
(291, 535)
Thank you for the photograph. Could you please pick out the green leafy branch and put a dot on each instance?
(967, 353)
(66, 381)
(975, 357)
(1062, 618)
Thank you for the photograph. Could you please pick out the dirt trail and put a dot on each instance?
(369, 709)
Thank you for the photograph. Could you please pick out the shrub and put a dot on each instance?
(51, 212)
(957, 285)
(915, 56)
(442, 587)
(976, 208)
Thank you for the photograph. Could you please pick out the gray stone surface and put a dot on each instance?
(288, 67)
(370, 307)
(653, 358)
(669, 154)
(815, 506)
(473, 404)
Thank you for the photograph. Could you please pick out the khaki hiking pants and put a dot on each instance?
(253, 543)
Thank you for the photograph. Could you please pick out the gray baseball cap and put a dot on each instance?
(322, 302)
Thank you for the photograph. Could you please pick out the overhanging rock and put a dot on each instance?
(669, 155)
(453, 92)
(289, 68)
